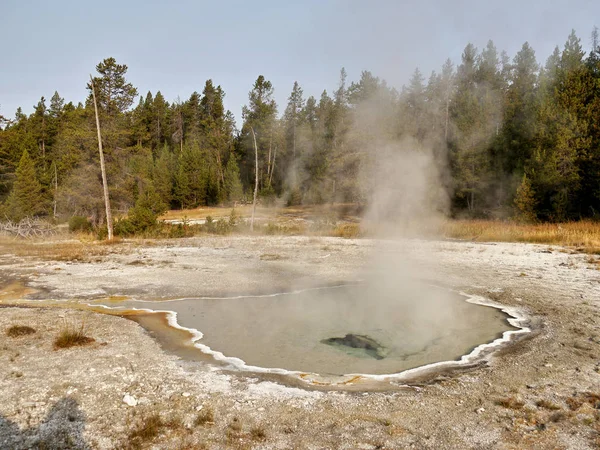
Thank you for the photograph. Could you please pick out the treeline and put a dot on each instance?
(513, 138)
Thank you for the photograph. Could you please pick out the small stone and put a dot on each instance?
(186, 394)
(199, 408)
(130, 400)
(548, 365)
(480, 410)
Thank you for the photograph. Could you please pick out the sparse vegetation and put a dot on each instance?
(547, 404)
(205, 417)
(149, 426)
(258, 433)
(348, 230)
(70, 336)
(510, 403)
(145, 431)
(19, 330)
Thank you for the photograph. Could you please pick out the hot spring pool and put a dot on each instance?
(362, 329)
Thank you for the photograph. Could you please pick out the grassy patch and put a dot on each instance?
(146, 429)
(547, 404)
(258, 433)
(59, 250)
(575, 402)
(149, 427)
(19, 330)
(347, 230)
(510, 403)
(70, 336)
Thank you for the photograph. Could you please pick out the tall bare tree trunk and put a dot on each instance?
(255, 179)
(109, 222)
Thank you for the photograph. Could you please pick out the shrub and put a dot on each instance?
(79, 223)
(222, 226)
(234, 218)
(142, 218)
(102, 233)
(209, 225)
(124, 227)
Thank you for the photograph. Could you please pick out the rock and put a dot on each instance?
(480, 411)
(186, 394)
(548, 365)
(368, 344)
(129, 400)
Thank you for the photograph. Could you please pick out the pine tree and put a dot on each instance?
(260, 115)
(56, 105)
(114, 94)
(26, 198)
(191, 177)
(233, 185)
(163, 176)
(525, 202)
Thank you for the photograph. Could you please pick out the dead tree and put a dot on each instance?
(109, 222)
(27, 228)
(255, 179)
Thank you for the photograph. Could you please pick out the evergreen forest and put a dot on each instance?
(514, 138)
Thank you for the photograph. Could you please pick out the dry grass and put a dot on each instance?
(575, 402)
(583, 235)
(258, 433)
(205, 417)
(58, 250)
(348, 231)
(547, 404)
(19, 330)
(151, 425)
(146, 429)
(148, 425)
(510, 403)
(70, 336)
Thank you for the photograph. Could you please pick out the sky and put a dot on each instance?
(176, 46)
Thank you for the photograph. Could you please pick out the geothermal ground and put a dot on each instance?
(127, 389)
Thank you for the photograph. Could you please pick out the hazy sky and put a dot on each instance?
(175, 46)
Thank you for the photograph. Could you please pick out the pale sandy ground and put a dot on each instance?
(74, 398)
